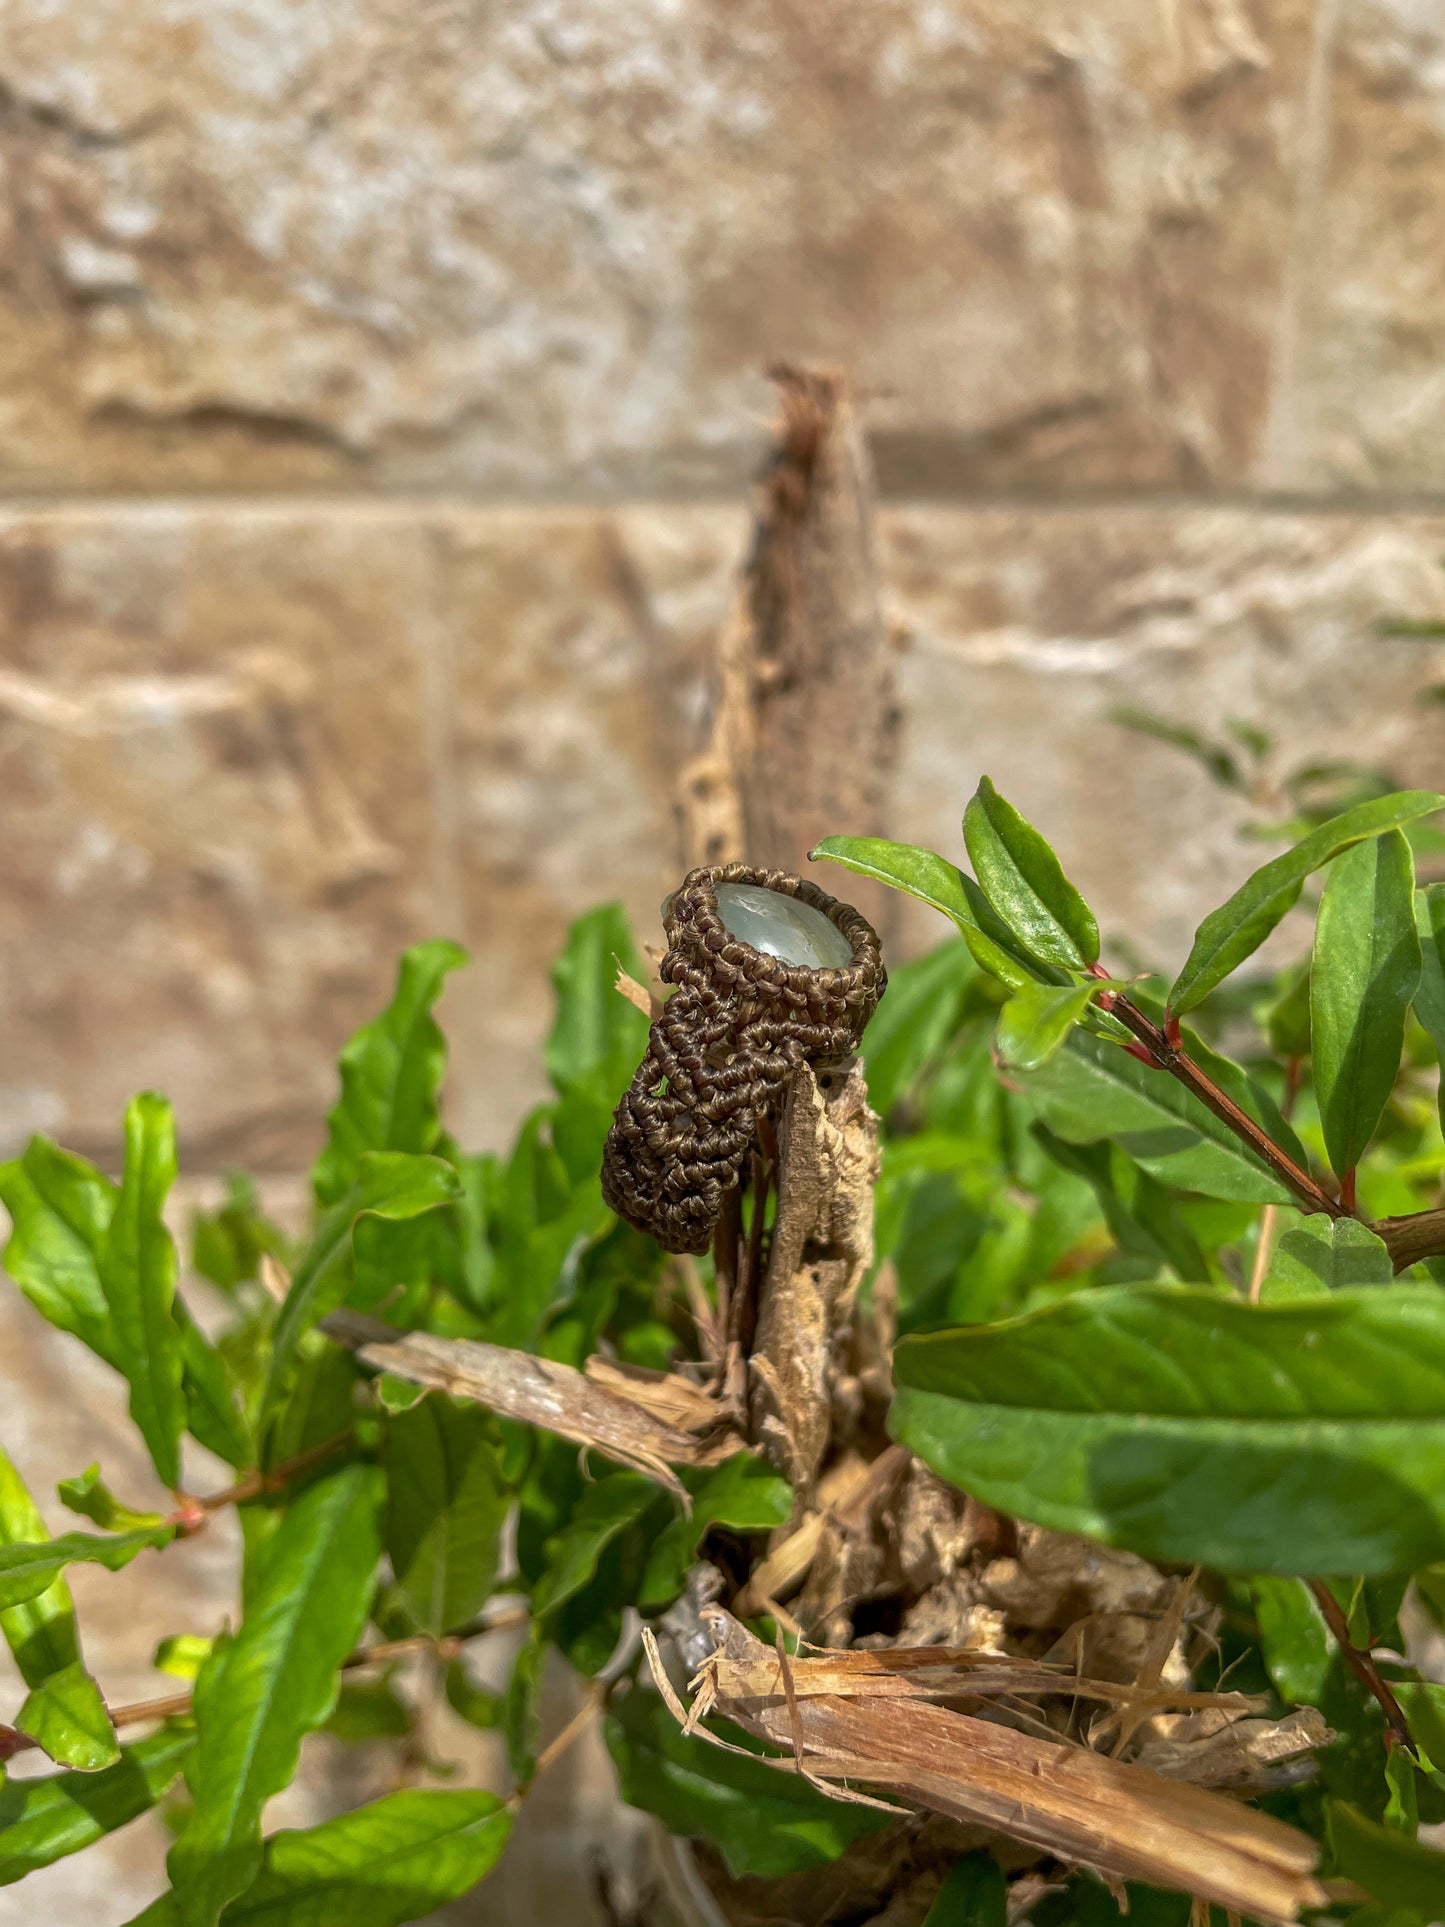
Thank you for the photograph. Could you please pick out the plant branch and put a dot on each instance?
(1397, 1727)
(1167, 1054)
(192, 1512)
(177, 1705)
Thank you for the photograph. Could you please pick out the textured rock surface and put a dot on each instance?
(549, 247)
(250, 753)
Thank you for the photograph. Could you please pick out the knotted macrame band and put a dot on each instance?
(722, 1050)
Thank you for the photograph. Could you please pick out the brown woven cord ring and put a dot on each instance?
(722, 1051)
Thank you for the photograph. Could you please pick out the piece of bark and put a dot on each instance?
(1122, 1820)
(542, 1392)
(804, 724)
(821, 1250)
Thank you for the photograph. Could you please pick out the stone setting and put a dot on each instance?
(782, 926)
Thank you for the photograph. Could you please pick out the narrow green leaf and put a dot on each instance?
(182, 1655)
(1237, 928)
(743, 1492)
(1366, 966)
(913, 1023)
(93, 1499)
(1430, 991)
(1036, 1022)
(391, 1075)
(43, 1820)
(136, 1264)
(1392, 1869)
(26, 1571)
(763, 1822)
(1140, 1213)
(597, 1036)
(60, 1208)
(388, 1184)
(1287, 1019)
(368, 1709)
(66, 1717)
(477, 1705)
(399, 1858)
(522, 1708)
(41, 1631)
(943, 887)
(1190, 1426)
(1323, 1254)
(974, 1894)
(260, 1693)
(446, 1505)
(1294, 1639)
(212, 1415)
(1091, 1090)
(604, 1510)
(1025, 882)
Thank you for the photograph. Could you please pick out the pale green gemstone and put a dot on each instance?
(782, 927)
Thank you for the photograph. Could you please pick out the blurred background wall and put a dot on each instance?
(380, 383)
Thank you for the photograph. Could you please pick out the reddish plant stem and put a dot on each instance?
(176, 1704)
(192, 1512)
(1167, 1055)
(1397, 1727)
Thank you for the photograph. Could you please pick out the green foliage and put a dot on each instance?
(1365, 969)
(1189, 1426)
(1075, 1237)
(763, 1822)
(261, 1691)
(395, 1860)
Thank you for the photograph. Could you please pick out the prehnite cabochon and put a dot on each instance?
(782, 927)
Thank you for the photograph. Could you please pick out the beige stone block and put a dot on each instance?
(548, 248)
(216, 757)
(1361, 402)
(1028, 627)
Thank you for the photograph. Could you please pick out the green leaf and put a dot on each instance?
(1036, 1022)
(261, 1692)
(1140, 1214)
(913, 1023)
(227, 1245)
(597, 1036)
(399, 1858)
(388, 1184)
(136, 1264)
(391, 1074)
(1237, 928)
(66, 1717)
(1287, 1019)
(1294, 1639)
(604, 1510)
(1216, 758)
(367, 1709)
(211, 1411)
(1092, 1090)
(1391, 1868)
(1430, 991)
(26, 1571)
(60, 1207)
(764, 1822)
(1323, 1254)
(446, 1505)
(476, 1705)
(43, 1820)
(1366, 966)
(942, 886)
(93, 1499)
(974, 1894)
(182, 1655)
(743, 1492)
(1025, 882)
(40, 1632)
(522, 1708)
(1190, 1426)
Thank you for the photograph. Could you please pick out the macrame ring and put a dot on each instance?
(722, 1050)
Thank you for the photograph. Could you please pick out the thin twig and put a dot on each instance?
(1168, 1055)
(176, 1705)
(1397, 1727)
(192, 1512)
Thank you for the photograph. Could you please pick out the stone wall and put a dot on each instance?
(379, 385)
